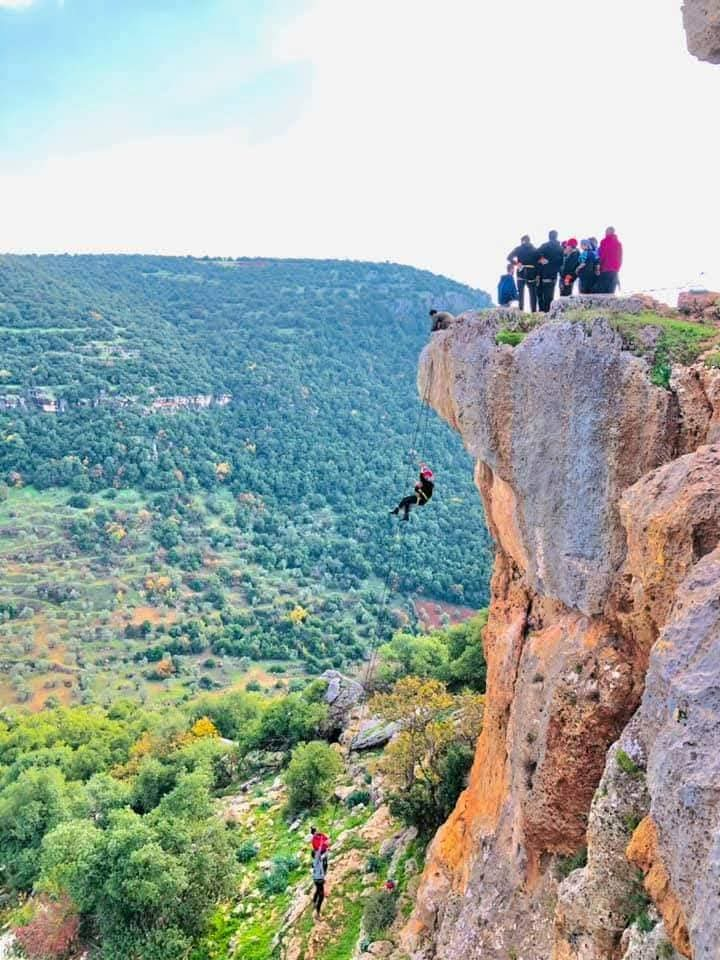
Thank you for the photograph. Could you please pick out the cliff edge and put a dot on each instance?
(596, 436)
(702, 26)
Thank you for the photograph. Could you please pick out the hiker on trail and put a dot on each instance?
(570, 264)
(550, 260)
(441, 320)
(319, 871)
(319, 843)
(423, 492)
(525, 258)
(507, 291)
(611, 257)
(586, 267)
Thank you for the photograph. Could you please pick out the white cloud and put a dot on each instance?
(16, 4)
(435, 135)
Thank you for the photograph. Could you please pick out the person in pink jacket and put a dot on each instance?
(611, 257)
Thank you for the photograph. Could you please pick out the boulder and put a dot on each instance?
(373, 733)
(342, 696)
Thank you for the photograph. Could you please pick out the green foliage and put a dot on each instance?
(713, 360)
(510, 337)
(427, 804)
(637, 906)
(379, 913)
(309, 350)
(676, 341)
(665, 950)
(247, 851)
(453, 655)
(564, 866)
(310, 775)
(357, 797)
(627, 764)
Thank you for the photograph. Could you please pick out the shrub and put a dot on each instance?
(357, 797)
(310, 774)
(246, 852)
(79, 501)
(510, 337)
(378, 913)
(278, 879)
(627, 764)
(375, 863)
(52, 932)
(565, 865)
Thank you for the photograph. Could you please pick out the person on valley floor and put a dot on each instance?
(423, 492)
(319, 872)
(550, 260)
(611, 257)
(507, 291)
(319, 843)
(441, 320)
(571, 262)
(524, 258)
(586, 267)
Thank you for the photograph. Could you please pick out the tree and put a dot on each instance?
(310, 775)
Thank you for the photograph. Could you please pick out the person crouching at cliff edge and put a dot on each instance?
(441, 320)
(423, 492)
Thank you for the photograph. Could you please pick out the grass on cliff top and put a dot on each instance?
(675, 341)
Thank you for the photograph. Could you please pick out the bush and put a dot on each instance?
(565, 865)
(627, 764)
(246, 852)
(79, 501)
(378, 913)
(510, 337)
(310, 775)
(357, 797)
(52, 932)
(278, 879)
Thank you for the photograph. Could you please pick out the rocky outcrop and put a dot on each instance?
(597, 541)
(342, 695)
(702, 26)
(700, 304)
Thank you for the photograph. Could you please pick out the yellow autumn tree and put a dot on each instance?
(223, 470)
(204, 727)
(298, 614)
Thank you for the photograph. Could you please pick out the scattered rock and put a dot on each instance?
(373, 733)
(702, 26)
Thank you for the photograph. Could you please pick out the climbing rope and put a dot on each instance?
(417, 444)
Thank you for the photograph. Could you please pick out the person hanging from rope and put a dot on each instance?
(319, 872)
(423, 492)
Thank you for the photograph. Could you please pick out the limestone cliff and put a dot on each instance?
(605, 508)
(702, 26)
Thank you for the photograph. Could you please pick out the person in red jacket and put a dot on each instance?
(611, 257)
(319, 844)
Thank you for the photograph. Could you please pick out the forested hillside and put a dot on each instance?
(197, 458)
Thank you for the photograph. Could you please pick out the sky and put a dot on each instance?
(426, 133)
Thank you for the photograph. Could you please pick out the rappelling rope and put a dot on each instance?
(417, 444)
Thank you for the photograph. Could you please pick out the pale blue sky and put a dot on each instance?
(430, 133)
(84, 74)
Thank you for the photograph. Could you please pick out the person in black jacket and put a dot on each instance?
(569, 272)
(423, 492)
(550, 260)
(525, 258)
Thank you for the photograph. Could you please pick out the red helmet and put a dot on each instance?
(426, 473)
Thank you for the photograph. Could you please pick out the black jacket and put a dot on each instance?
(424, 489)
(552, 251)
(570, 264)
(525, 254)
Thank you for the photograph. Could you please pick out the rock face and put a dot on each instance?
(702, 26)
(598, 545)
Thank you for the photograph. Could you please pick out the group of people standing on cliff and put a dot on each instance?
(594, 266)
